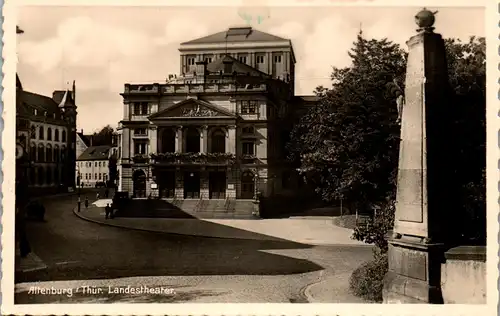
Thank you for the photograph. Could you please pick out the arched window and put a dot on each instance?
(218, 141)
(63, 136)
(49, 176)
(40, 133)
(41, 153)
(56, 153)
(33, 131)
(49, 133)
(48, 153)
(63, 155)
(167, 140)
(56, 135)
(33, 152)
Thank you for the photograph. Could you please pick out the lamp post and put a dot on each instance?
(256, 186)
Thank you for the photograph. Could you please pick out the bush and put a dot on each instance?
(367, 281)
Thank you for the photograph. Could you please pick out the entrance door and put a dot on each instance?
(247, 185)
(217, 185)
(167, 184)
(191, 185)
(139, 179)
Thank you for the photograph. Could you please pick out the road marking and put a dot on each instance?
(65, 262)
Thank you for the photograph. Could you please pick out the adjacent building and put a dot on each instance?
(93, 165)
(46, 136)
(218, 129)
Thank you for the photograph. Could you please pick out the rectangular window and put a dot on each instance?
(140, 131)
(95, 176)
(248, 148)
(277, 59)
(144, 108)
(248, 107)
(137, 108)
(243, 59)
(190, 61)
(140, 148)
(208, 60)
(259, 59)
(100, 175)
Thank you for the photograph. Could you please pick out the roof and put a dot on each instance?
(237, 34)
(39, 102)
(237, 66)
(95, 153)
(85, 138)
(18, 82)
(66, 100)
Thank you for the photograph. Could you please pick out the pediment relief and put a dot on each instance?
(192, 109)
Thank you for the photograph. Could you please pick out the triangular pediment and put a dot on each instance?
(192, 108)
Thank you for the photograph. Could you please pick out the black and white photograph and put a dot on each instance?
(290, 154)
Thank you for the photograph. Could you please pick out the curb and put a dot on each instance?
(79, 215)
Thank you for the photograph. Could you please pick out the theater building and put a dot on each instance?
(217, 131)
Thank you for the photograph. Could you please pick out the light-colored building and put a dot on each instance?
(46, 130)
(218, 130)
(93, 165)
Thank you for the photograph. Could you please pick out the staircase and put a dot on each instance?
(218, 208)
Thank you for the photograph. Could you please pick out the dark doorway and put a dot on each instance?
(166, 184)
(217, 185)
(139, 179)
(167, 141)
(218, 142)
(191, 185)
(247, 185)
(192, 140)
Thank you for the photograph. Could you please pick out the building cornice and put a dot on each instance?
(234, 45)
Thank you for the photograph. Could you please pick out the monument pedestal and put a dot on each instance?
(415, 272)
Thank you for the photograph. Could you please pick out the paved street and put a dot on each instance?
(199, 269)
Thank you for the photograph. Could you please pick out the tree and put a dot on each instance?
(103, 137)
(347, 146)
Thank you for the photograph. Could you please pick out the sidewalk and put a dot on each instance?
(309, 231)
(30, 263)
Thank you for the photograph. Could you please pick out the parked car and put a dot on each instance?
(35, 210)
(100, 184)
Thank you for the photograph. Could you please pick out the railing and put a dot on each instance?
(194, 158)
(140, 158)
(210, 87)
(200, 205)
(229, 205)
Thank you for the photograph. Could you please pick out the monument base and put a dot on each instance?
(414, 272)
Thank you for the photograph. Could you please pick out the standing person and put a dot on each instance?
(97, 196)
(79, 203)
(86, 202)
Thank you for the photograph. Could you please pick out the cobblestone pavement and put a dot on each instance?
(78, 253)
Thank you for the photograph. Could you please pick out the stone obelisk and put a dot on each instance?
(425, 185)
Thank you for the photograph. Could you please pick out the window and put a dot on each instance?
(40, 133)
(33, 153)
(140, 131)
(86, 176)
(208, 60)
(56, 135)
(137, 108)
(100, 175)
(95, 176)
(99, 163)
(277, 59)
(139, 148)
(140, 108)
(41, 153)
(63, 154)
(33, 131)
(63, 136)
(56, 153)
(95, 164)
(144, 108)
(259, 59)
(248, 148)
(49, 133)
(248, 107)
(243, 59)
(48, 153)
(248, 130)
(190, 61)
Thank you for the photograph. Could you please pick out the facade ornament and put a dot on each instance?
(198, 111)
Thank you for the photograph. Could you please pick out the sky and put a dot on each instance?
(102, 48)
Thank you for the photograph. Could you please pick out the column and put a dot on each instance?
(204, 192)
(426, 190)
(231, 139)
(179, 184)
(204, 139)
(179, 140)
(153, 140)
(126, 143)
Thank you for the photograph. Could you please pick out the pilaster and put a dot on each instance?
(179, 140)
(204, 139)
(231, 139)
(153, 139)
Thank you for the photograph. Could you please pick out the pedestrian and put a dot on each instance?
(79, 203)
(97, 196)
(107, 209)
(86, 202)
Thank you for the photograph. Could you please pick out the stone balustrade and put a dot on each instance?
(192, 88)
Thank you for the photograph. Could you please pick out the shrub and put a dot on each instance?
(367, 281)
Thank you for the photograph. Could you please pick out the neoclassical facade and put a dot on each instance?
(218, 130)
